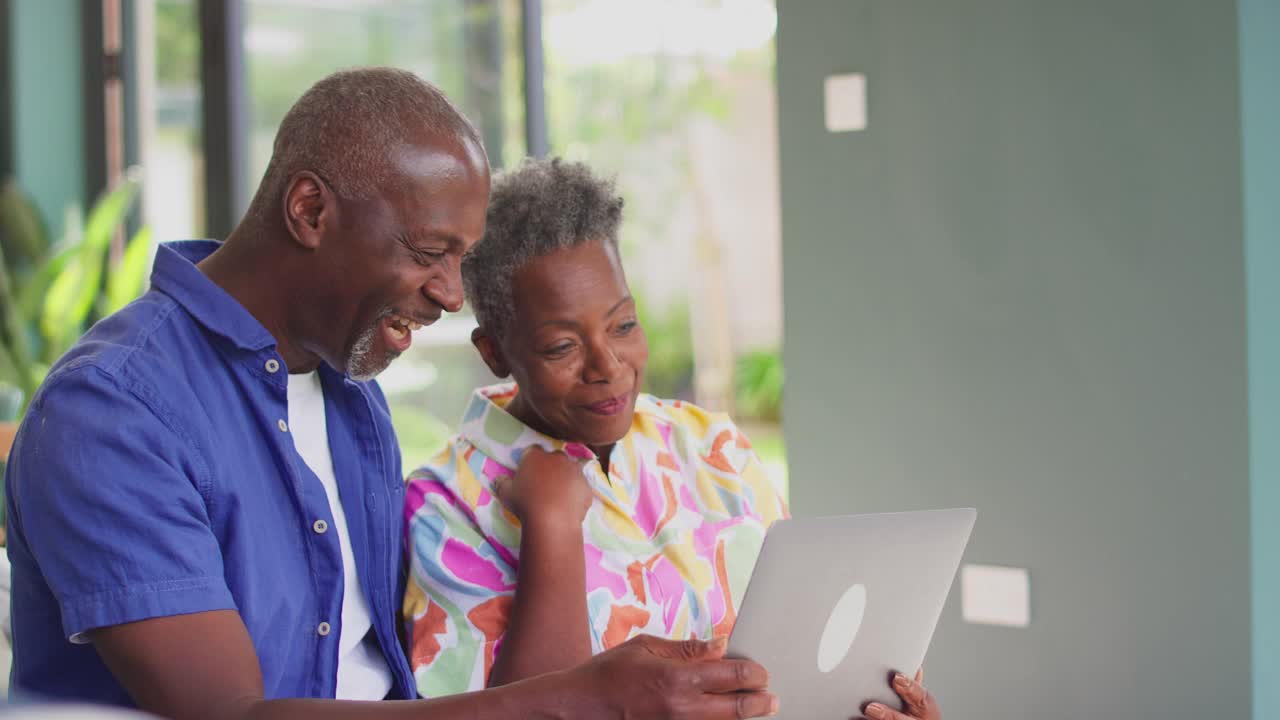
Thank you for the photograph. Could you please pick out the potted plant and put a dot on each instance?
(51, 291)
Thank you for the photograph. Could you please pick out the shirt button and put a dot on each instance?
(320, 526)
(284, 426)
(273, 365)
(323, 629)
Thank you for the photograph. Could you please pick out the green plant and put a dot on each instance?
(669, 372)
(49, 292)
(759, 381)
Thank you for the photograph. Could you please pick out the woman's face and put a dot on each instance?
(575, 346)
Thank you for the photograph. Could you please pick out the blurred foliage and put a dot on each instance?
(470, 49)
(421, 434)
(50, 292)
(758, 385)
(669, 373)
(177, 42)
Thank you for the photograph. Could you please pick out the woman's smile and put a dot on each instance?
(610, 406)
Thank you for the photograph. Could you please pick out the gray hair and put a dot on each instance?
(538, 208)
(348, 127)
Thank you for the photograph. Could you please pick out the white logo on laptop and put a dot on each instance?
(842, 628)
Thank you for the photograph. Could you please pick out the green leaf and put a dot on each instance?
(108, 212)
(9, 372)
(72, 292)
(69, 300)
(32, 293)
(126, 280)
(13, 335)
(23, 236)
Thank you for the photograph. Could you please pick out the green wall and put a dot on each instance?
(1260, 121)
(45, 65)
(1022, 289)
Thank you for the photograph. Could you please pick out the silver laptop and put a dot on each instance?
(835, 605)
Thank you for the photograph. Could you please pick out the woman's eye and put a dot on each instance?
(627, 327)
(558, 350)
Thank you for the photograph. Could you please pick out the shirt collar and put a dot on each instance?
(488, 426)
(175, 274)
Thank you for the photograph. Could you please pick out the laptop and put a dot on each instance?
(836, 605)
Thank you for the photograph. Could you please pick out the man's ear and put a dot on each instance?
(309, 208)
(491, 352)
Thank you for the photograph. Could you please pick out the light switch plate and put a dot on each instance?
(845, 102)
(994, 595)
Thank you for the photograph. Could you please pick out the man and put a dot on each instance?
(205, 496)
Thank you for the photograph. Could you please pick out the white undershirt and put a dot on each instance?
(363, 673)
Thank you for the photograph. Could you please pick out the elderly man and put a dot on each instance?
(205, 497)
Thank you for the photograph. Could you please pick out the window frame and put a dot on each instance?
(224, 90)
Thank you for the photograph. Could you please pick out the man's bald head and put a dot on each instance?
(349, 127)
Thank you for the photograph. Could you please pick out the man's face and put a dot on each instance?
(396, 264)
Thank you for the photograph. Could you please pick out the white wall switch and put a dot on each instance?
(993, 595)
(846, 102)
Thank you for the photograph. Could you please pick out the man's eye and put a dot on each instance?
(558, 350)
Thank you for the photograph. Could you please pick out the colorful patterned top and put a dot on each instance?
(671, 537)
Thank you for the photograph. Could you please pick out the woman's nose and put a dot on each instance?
(602, 364)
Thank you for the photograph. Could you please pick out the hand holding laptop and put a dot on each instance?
(918, 702)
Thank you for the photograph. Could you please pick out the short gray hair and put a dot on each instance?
(349, 125)
(538, 208)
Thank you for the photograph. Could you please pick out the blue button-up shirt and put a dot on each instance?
(155, 475)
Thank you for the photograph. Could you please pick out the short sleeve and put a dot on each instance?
(460, 593)
(104, 495)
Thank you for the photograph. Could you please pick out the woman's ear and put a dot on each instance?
(491, 352)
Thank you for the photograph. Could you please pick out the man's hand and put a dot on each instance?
(919, 703)
(646, 677)
(203, 666)
(547, 489)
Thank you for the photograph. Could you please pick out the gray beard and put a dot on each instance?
(362, 366)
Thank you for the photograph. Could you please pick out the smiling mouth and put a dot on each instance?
(609, 407)
(399, 330)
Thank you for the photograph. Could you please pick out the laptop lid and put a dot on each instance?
(835, 605)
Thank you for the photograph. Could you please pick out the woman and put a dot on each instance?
(625, 514)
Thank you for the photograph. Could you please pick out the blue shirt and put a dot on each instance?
(155, 475)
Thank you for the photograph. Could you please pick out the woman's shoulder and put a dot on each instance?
(685, 417)
(441, 467)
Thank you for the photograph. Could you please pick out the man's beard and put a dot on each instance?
(362, 364)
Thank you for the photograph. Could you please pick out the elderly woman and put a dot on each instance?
(572, 511)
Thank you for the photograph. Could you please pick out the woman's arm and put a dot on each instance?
(548, 629)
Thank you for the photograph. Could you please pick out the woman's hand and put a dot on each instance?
(549, 628)
(919, 702)
(548, 490)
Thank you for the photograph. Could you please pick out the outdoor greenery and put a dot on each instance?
(759, 379)
(669, 373)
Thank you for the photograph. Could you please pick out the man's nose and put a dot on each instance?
(445, 290)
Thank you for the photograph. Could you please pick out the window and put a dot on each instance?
(676, 98)
(468, 48)
(169, 102)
